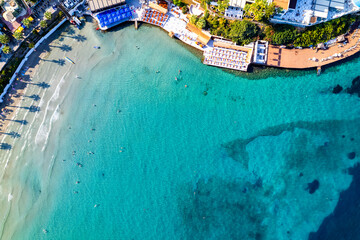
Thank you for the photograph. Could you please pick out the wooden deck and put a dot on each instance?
(299, 58)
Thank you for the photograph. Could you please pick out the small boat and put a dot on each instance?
(97, 47)
(69, 60)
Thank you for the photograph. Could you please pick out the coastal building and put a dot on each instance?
(234, 12)
(14, 12)
(112, 17)
(109, 13)
(303, 13)
(240, 3)
(229, 56)
(260, 52)
(102, 5)
(158, 8)
(202, 37)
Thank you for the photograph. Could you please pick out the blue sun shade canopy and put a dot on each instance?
(114, 16)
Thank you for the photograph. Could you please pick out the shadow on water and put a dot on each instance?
(343, 223)
(12, 134)
(41, 84)
(31, 108)
(78, 38)
(60, 62)
(35, 97)
(5, 146)
(22, 122)
(64, 48)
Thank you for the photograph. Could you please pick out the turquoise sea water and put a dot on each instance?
(223, 158)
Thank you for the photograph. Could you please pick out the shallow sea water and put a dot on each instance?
(223, 158)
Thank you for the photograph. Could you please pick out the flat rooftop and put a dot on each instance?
(101, 5)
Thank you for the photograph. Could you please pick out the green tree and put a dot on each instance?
(48, 15)
(243, 32)
(222, 5)
(260, 10)
(4, 39)
(26, 22)
(184, 9)
(31, 45)
(194, 19)
(179, 3)
(201, 23)
(43, 24)
(206, 14)
(18, 35)
(284, 37)
(6, 49)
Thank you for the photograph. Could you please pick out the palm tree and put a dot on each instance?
(4, 39)
(43, 24)
(6, 49)
(48, 15)
(18, 35)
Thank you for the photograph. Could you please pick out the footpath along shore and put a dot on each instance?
(310, 58)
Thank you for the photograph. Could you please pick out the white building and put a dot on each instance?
(310, 12)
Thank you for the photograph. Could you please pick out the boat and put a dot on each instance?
(97, 47)
(69, 60)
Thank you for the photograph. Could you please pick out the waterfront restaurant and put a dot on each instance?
(228, 56)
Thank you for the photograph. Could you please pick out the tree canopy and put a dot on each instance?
(6, 49)
(193, 19)
(26, 22)
(243, 32)
(222, 5)
(4, 39)
(18, 35)
(43, 24)
(280, 35)
(48, 15)
(201, 23)
(324, 32)
(260, 10)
